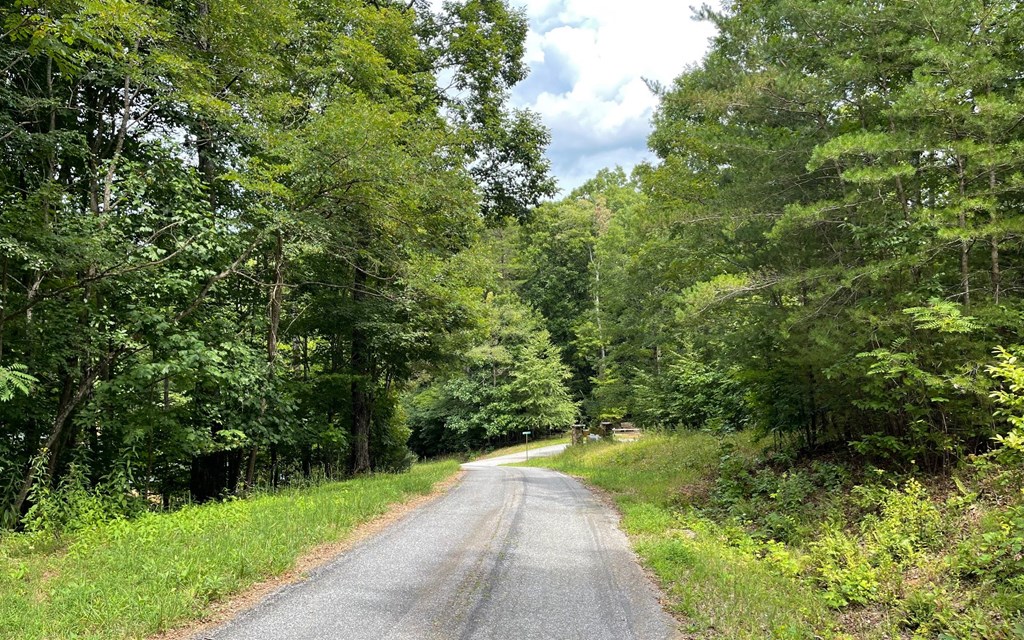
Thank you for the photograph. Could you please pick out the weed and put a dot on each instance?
(844, 570)
(720, 578)
(131, 578)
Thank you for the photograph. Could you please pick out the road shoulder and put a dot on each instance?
(607, 499)
(317, 557)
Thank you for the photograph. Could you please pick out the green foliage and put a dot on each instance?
(1004, 465)
(74, 505)
(662, 470)
(140, 577)
(908, 524)
(942, 316)
(721, 579)
(221, 258)
(512, 380)
(845, 571)
(1011, 396)
(13, 381)
(783, 502)
(995, 556)
(689, 394)
(822, 251)
(869, 555)
(904, 525)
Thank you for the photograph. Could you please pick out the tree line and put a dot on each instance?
(226, 229)
(828, 246)
(245, 244)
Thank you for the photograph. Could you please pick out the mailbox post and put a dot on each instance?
(577, 433)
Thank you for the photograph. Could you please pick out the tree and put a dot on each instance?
(512, 380)
(215, 215)
(818, 209)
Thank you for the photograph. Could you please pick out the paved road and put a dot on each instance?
(518, 553)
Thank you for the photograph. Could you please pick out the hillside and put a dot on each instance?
(749, 544)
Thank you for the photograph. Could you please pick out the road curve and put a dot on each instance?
(518, 553)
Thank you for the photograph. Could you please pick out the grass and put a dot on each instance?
(519, 448)
(724, 583)
(656, 469)
(132, 579)
(750, 543)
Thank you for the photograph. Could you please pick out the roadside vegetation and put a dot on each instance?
(520, 448)
(750, 543)
(79, 574)
(228, 233)
(227, 265)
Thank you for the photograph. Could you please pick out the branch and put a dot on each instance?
(109, 273)
(214, 280)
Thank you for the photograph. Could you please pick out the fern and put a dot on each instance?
(15, 380)
(942, 316)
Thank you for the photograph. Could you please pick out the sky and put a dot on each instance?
(588, 61)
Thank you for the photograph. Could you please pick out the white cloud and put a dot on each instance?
(589, 59)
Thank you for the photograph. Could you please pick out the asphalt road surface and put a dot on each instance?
(518, 553)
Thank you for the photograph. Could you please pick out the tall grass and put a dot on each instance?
(717, 579)
(658, 469)
(131, 579)
(519, 448)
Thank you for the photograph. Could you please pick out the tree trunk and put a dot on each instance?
(69, 398)
(250, 471)
(362, 398)
(273, 330)
(3, 304)
(273, 466)
(965, 246)
(597, 311)
(276, 295)
(997, 275)
(307, 462)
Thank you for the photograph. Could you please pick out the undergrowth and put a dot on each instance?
(130, 578)
(750, 544)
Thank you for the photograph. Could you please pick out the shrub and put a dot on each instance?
(909, 523)
(996, 554)
(844, 570)
(74, 504)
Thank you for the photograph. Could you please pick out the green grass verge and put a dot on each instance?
(519, 448)
(723, 582)
(131, 579)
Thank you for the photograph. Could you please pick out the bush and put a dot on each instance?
(690, 394)
(844, 570)
(74, 505)
(909, 524)
(780, 505)
(389, 442)
(996, 554)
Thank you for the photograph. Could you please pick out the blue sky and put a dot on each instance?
(588, 61)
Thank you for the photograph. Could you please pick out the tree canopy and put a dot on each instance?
(827, 247)
(245, 243)
(225, 224)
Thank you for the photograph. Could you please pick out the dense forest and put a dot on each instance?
(227, 228)
(828, 249)
(244, 245)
